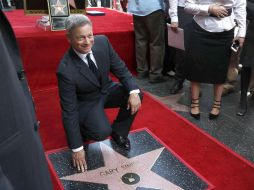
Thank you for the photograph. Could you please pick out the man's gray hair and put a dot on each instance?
(76, 20)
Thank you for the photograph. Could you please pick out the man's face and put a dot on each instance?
(81, 39)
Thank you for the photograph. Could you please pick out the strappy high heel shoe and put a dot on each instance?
(216, 105)
(194, 104)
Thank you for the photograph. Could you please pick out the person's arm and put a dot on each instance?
(69, 105)
(192, 7)
(119, 69)
(240, 16)
(217, 10)
(67, 93)
(172, 11)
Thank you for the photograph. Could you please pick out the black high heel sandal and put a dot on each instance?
(195, 105)
(216, 105)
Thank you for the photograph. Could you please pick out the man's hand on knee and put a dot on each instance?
(79, 161)
(134, 103)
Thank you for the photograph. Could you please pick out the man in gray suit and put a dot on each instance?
(22, 161)
(85, 89)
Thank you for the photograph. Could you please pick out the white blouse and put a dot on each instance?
(173, 9)
(199, 8)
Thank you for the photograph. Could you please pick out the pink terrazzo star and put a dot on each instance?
(121, 173)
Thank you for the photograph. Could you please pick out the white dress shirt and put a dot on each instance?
(173, 9)
(199, 8)
(83, 57)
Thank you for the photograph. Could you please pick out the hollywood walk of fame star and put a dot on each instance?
(121, 173)
(59, 8)
(72, 3)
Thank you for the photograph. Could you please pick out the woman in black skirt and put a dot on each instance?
(208, 45)
(247, 59)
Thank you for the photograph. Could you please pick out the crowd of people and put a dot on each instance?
(210, 28)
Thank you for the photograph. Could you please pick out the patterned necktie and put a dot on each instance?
(92, 67)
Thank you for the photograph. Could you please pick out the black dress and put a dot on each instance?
(207, 54)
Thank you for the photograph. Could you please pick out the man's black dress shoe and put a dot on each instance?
(176, 87)
(122, 142)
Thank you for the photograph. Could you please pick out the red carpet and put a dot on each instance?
(223, 168)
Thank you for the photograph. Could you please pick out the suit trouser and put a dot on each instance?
(184, 20)
(149, 38)
(177, 55)
(97, 126)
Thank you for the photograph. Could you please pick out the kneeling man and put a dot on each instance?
(85, 89)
